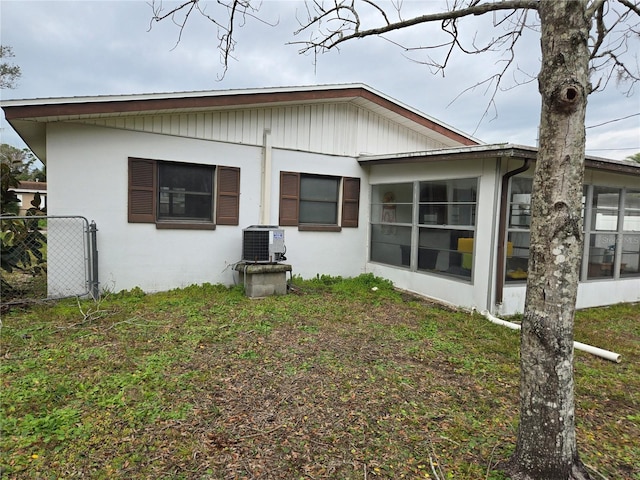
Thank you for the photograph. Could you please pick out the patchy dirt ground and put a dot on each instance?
(325, 383)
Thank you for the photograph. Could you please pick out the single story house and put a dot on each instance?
(358, 182)
(26, 192)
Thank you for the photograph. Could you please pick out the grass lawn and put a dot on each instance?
(336, 380)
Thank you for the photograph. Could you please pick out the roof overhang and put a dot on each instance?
(29, 117)
(34, 135)
(503, 150)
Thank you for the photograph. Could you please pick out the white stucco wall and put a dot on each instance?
(605, 292)
(592, 293)
(311, 253)
(88, 172)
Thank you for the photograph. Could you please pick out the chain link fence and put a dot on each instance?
(47, 257)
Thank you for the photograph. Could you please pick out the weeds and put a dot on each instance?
(344, 378)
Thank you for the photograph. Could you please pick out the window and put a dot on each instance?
(518, 235)
(630, 251)
(391, 223)
(433, 232)
(613, 233)
(446, 226)
(611, 242)
(601, 231)
(182, 195)
(318, 200)
(312, 201)
(185, 192)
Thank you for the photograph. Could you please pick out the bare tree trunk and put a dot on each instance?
(546, 446)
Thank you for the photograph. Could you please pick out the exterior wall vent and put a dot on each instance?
(263, 244)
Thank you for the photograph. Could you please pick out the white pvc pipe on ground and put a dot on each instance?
(599, 352)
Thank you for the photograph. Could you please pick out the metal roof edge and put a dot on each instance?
(33, 109)
(499, 149)
(494, 150)
(176, 95)
(422, 114)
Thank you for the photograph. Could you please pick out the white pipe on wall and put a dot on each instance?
(599, 352)
(265, 201)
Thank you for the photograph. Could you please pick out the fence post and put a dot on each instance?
(94, 284)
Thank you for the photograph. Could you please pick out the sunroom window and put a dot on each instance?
(611, 240)
(630, 254)
(425, 226)
(391, 223)
(518, 236)
(446, 225)
(601, 232)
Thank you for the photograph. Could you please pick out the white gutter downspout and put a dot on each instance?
(265, 201)
(599, 352)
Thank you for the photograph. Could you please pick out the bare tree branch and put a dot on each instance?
(594, 7)
(634, 7)
(600, 29)
(495, 82)
(338, 36)
(234, 14)
(329, 23)
(610, 44)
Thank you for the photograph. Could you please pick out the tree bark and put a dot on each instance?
(546, 446)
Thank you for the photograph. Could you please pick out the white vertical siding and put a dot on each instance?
(338, 128)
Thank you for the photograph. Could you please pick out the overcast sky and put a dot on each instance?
(97, 47)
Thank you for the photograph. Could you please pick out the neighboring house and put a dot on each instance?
(358, 181)
(27, 191)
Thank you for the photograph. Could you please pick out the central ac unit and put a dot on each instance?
(263, 244)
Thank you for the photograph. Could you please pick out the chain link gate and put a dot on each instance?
(47, 257)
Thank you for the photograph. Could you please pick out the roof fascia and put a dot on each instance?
(462, 153)
(135, 104)
(493, 151)
(612, 166)
(138, 104)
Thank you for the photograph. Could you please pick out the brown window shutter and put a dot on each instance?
(142, 190)
(350, 201)
(289, 197)
(228, 196)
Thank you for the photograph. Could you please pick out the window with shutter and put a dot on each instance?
(181, 195)
(311, 201)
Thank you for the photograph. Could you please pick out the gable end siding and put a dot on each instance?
(329, 128)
